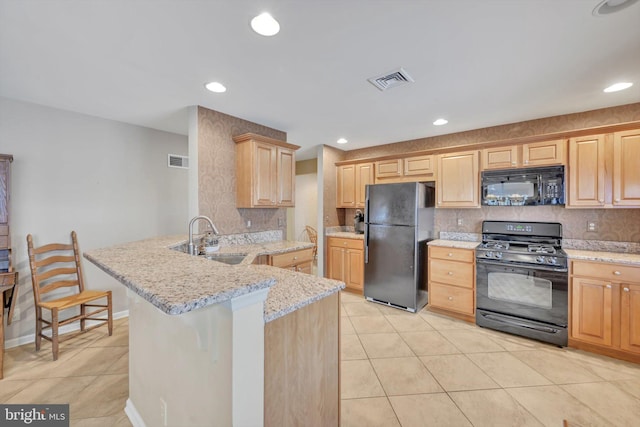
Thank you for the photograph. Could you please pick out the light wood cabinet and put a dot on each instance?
(626, 168)
(300, 260)
(586, 171)
(419, 165)
(352, 180)
(345, 262)
(452, 281)
(457, 180)
(265, 172)
(605, 308)
(389, 168)
(546, 153)
(405, 169)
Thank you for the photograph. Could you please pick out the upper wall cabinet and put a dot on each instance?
(458, 183)
(351, 183)
(414, 168)
(546, 153)
(265, 172)
(603, 170)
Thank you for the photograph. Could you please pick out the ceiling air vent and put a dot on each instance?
(392, 79)
(176, 161)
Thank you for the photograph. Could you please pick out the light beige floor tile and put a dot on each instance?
(52, 390)
(346, 327)
(94, 422)
(605, 367)
(556, 367)
(428, 343)
(116, 340)
(384, 345)
(392, 311)
(89, 361)
(492, 408)
(440, 323)
(10, 388)
(471, 341)
(608, 401)
(358, 379)
(512, 342)
(120, 366)
(507, 370)
(406, 375)
(343, 312)
(25, 363)
(106, 396)
(456, 372)
(413, 323)
(351, 349)
(122, 421)
(551, 405)
(371, 324)
(361, 309)
(435, 409)
(373, 412)
(632, 387)
(347, 297)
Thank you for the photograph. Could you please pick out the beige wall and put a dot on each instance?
(217, 174)
(613, 224)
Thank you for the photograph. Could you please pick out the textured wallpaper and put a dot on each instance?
(217, 174)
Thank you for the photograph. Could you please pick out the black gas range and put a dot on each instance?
(522, 280)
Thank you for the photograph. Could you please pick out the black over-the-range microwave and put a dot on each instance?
(523, 187)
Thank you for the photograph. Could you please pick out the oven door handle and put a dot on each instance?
(524, 267)
(520, 324)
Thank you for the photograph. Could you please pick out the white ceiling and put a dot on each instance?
(477, 63)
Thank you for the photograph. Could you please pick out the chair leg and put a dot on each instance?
(83, 313)
(38, 327)
(109, 314)
(54, 333)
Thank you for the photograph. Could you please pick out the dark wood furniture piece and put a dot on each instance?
(56, 266)
(8, 278)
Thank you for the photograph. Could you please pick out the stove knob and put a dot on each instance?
(489, 254)
(499, 255)
(552, 260)
(540, 259)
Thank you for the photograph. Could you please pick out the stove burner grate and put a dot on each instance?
(542, 249)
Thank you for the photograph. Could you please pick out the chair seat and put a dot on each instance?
(73, 300)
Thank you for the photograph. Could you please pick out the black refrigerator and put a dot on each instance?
(399, 221)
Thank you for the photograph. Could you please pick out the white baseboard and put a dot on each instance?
(134, 416)
(26, 339)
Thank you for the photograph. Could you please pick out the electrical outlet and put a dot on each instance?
(16, 313)
(280, 222)
(592, 226)
(163, 411)
(248, 223)
(460, 222)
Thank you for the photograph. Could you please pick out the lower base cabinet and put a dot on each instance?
(345, 262)
(452, 281)
(605, 309)
(299, 260)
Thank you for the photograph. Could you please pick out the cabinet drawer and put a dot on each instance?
(345, 243)
(4, 230)
(304, 268)
(292, 258)
(451, 298)
(452, 254)
(451, 272)
(606, 271)
(4, 241)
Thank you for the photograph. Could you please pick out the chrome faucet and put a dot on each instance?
(192, 247)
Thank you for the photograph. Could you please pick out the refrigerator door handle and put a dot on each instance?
(366, 243)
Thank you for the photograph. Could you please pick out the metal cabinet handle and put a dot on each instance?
(449, 254)
(617, 273)
(295, 258)
(617, 200)
(600, 200)
(450, 273)
(513, 163)
(625, 289)
(608, 286)
(450, 298)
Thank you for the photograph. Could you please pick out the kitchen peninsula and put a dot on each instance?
(218, 344)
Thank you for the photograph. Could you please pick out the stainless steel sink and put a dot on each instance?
(231, 259)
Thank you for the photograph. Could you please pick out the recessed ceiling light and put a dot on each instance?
(265, 25)
(441, 122)
(342, 141)
(607, 7)
(618, 86)
(216, 87)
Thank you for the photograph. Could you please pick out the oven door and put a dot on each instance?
(534, 293)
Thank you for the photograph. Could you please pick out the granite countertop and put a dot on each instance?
(177, 283)
(453, 244)
(621, 258)
(345, 235)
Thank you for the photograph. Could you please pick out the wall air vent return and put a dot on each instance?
(176, 161)
(392, 79)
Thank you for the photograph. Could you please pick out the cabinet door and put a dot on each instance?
(265, 175)
(419, 165)
(389, 168)
(364, 176)
(335, 264)
(458, 180)
(346, 184)
(544, 153)
(286, 177)
(591, 317)
(630, 318)
(500, 157)
(626, 172)
(586, 171)
(354, 269)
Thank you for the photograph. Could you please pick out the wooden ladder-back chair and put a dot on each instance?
(56, 266)
(313, 238)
